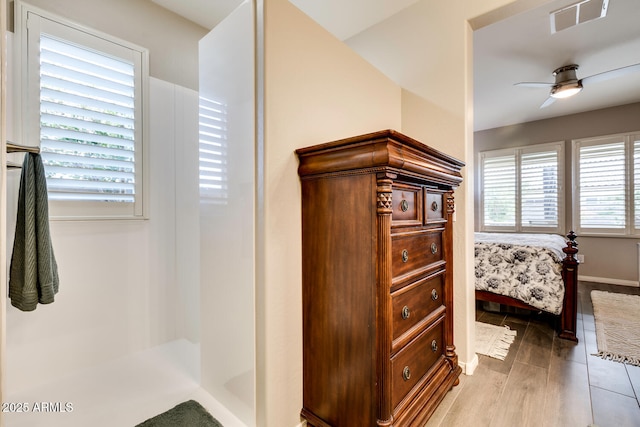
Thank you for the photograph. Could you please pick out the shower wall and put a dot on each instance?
(227, 244)
(124, 285)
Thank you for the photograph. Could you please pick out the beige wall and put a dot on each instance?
(613, 260)
(172, 40)
(316, 90)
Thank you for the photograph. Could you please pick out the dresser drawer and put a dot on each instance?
(414, 361)
(434, 207)
(413, 303)
(415, 250)
(407, 204)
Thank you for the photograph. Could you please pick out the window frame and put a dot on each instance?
(517, 152)
(629, 229)
(30, 23)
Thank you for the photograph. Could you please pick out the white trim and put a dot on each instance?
(628, 139)
(609, 281)
(470, 367)
(517, 153)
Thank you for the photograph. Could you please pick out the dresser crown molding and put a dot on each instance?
(383, 150)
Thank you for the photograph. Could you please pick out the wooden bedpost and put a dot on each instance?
(570, 276)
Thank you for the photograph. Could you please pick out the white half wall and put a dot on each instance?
(227, 223)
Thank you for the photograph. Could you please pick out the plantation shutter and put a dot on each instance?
(539, 189)
(499, 190)
(636, 180)
(87, 123)
(522, 188)
(602, 188)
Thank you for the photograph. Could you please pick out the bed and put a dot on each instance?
(532, 271)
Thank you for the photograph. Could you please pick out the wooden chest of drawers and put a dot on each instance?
(377, 280)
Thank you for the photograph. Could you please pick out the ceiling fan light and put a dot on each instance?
(566, 90)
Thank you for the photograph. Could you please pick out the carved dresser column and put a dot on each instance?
(384, 209)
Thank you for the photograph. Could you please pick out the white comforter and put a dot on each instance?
(526, 267)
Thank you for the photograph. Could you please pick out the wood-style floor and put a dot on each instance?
(545, 381)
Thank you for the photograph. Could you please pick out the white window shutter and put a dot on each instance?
(522, 189)
(499, 190)
(602, 185)
(636, 180)
(539, 189)
(87, 117)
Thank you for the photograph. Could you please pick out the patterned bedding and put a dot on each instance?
(527, 267)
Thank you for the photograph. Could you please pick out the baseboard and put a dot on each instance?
(470, 367)
(608, 281)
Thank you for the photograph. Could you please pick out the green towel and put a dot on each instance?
(33, 276)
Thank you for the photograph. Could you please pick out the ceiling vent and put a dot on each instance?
(578, 13)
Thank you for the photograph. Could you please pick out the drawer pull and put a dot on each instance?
(434, 248)
(434, 295)
(406, 312)
(404, 206)
(406, 373)
(434, 346)
(405, 255)
(434, 206)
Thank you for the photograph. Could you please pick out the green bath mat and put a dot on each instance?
(186, 414)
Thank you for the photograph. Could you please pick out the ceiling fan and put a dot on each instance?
(567, 83)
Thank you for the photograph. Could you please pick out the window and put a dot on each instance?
(607, 190)
(521, 189)
(499, 190)
(83, 105)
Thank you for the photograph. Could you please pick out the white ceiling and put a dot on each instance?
(346, 18)
(206, 13)
(394, 35)
(521, 48)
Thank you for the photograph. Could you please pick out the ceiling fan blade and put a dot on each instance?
(533, 84)
(550, 100)
(611, 74)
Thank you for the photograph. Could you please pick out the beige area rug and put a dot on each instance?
(494, 341)
(617, 326)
